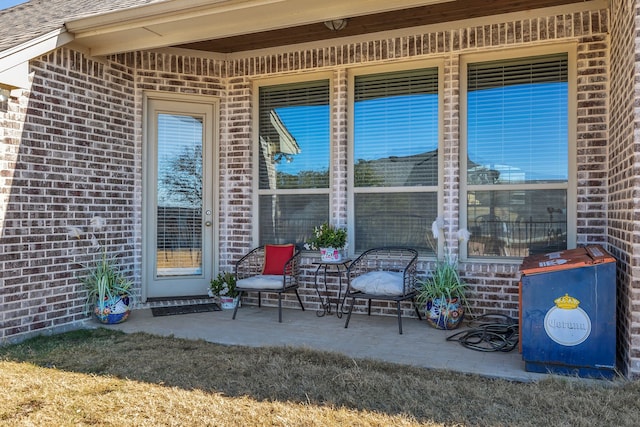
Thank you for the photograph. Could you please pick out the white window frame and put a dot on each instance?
(570, 186)
(257, 192)
(438, 189)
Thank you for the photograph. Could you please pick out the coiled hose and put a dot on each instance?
(489, 332)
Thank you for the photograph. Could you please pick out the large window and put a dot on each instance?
(395, 158)
(517, 167)
(293, 158)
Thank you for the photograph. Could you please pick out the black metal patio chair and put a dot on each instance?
(269, 269)
(387, 273)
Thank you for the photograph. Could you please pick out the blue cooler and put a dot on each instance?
(568, 312)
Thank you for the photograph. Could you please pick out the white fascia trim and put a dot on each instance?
(15, 77)
(40, 45)
(165, 24)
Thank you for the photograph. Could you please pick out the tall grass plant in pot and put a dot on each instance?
(443, 295)
(108, 289)
(443, 292)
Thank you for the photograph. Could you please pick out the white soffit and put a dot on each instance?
(14, 62)
(17, 76)
(184, 21)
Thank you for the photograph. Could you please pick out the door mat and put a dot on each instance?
(184, 309)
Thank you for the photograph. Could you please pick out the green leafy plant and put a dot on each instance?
(103, 280)
(327, 236)
(444, 284)
(223, 285)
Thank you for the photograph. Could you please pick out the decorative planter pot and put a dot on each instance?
(330, 254)
(444, 313)
(114, 310)
(228, 303)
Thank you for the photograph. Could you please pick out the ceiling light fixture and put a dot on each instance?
(4, 94)
(336, 24)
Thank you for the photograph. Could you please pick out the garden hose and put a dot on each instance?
(489, 332)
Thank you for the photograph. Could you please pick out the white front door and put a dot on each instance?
(179, 206)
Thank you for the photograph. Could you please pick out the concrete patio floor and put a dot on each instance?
(368, 337)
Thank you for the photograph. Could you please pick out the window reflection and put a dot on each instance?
(292, 217)
(395, 158)
(294, 136)
(517, 139)
(294, 147)
(179, 195)
(516, 223)
(395, 219)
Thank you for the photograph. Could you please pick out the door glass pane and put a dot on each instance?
(517, 223)
(179, 196)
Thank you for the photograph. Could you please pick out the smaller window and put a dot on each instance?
(293, 158)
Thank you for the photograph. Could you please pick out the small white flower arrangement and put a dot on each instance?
(327, 236)
(96, 224)
(437, 231)
(223, 285)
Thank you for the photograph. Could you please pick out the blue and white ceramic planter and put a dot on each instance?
(114, 310)
(445, 313)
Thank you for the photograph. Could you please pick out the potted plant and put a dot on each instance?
(223, 289)
(329, 240)
(443, 293)
(108, 290)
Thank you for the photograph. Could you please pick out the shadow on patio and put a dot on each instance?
(373, 337)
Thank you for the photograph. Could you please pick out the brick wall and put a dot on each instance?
(236, 147)
(91, 145)
(622, 209)
(69, 155)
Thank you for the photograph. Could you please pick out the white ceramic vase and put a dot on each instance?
(330, 254)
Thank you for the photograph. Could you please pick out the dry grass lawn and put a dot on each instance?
(102, 377)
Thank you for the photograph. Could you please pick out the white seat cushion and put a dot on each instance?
(261, 281)
(379, 283)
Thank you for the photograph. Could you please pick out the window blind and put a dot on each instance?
(396, 128)
(517, 134)
(294, 148)
(294, 129)
(395, 145)
(518, 120)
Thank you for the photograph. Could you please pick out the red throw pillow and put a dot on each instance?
(275, 257)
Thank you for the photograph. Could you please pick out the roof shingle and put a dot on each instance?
(37, 17)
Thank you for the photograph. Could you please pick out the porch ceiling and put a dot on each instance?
(356, 25)
(229, 26)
